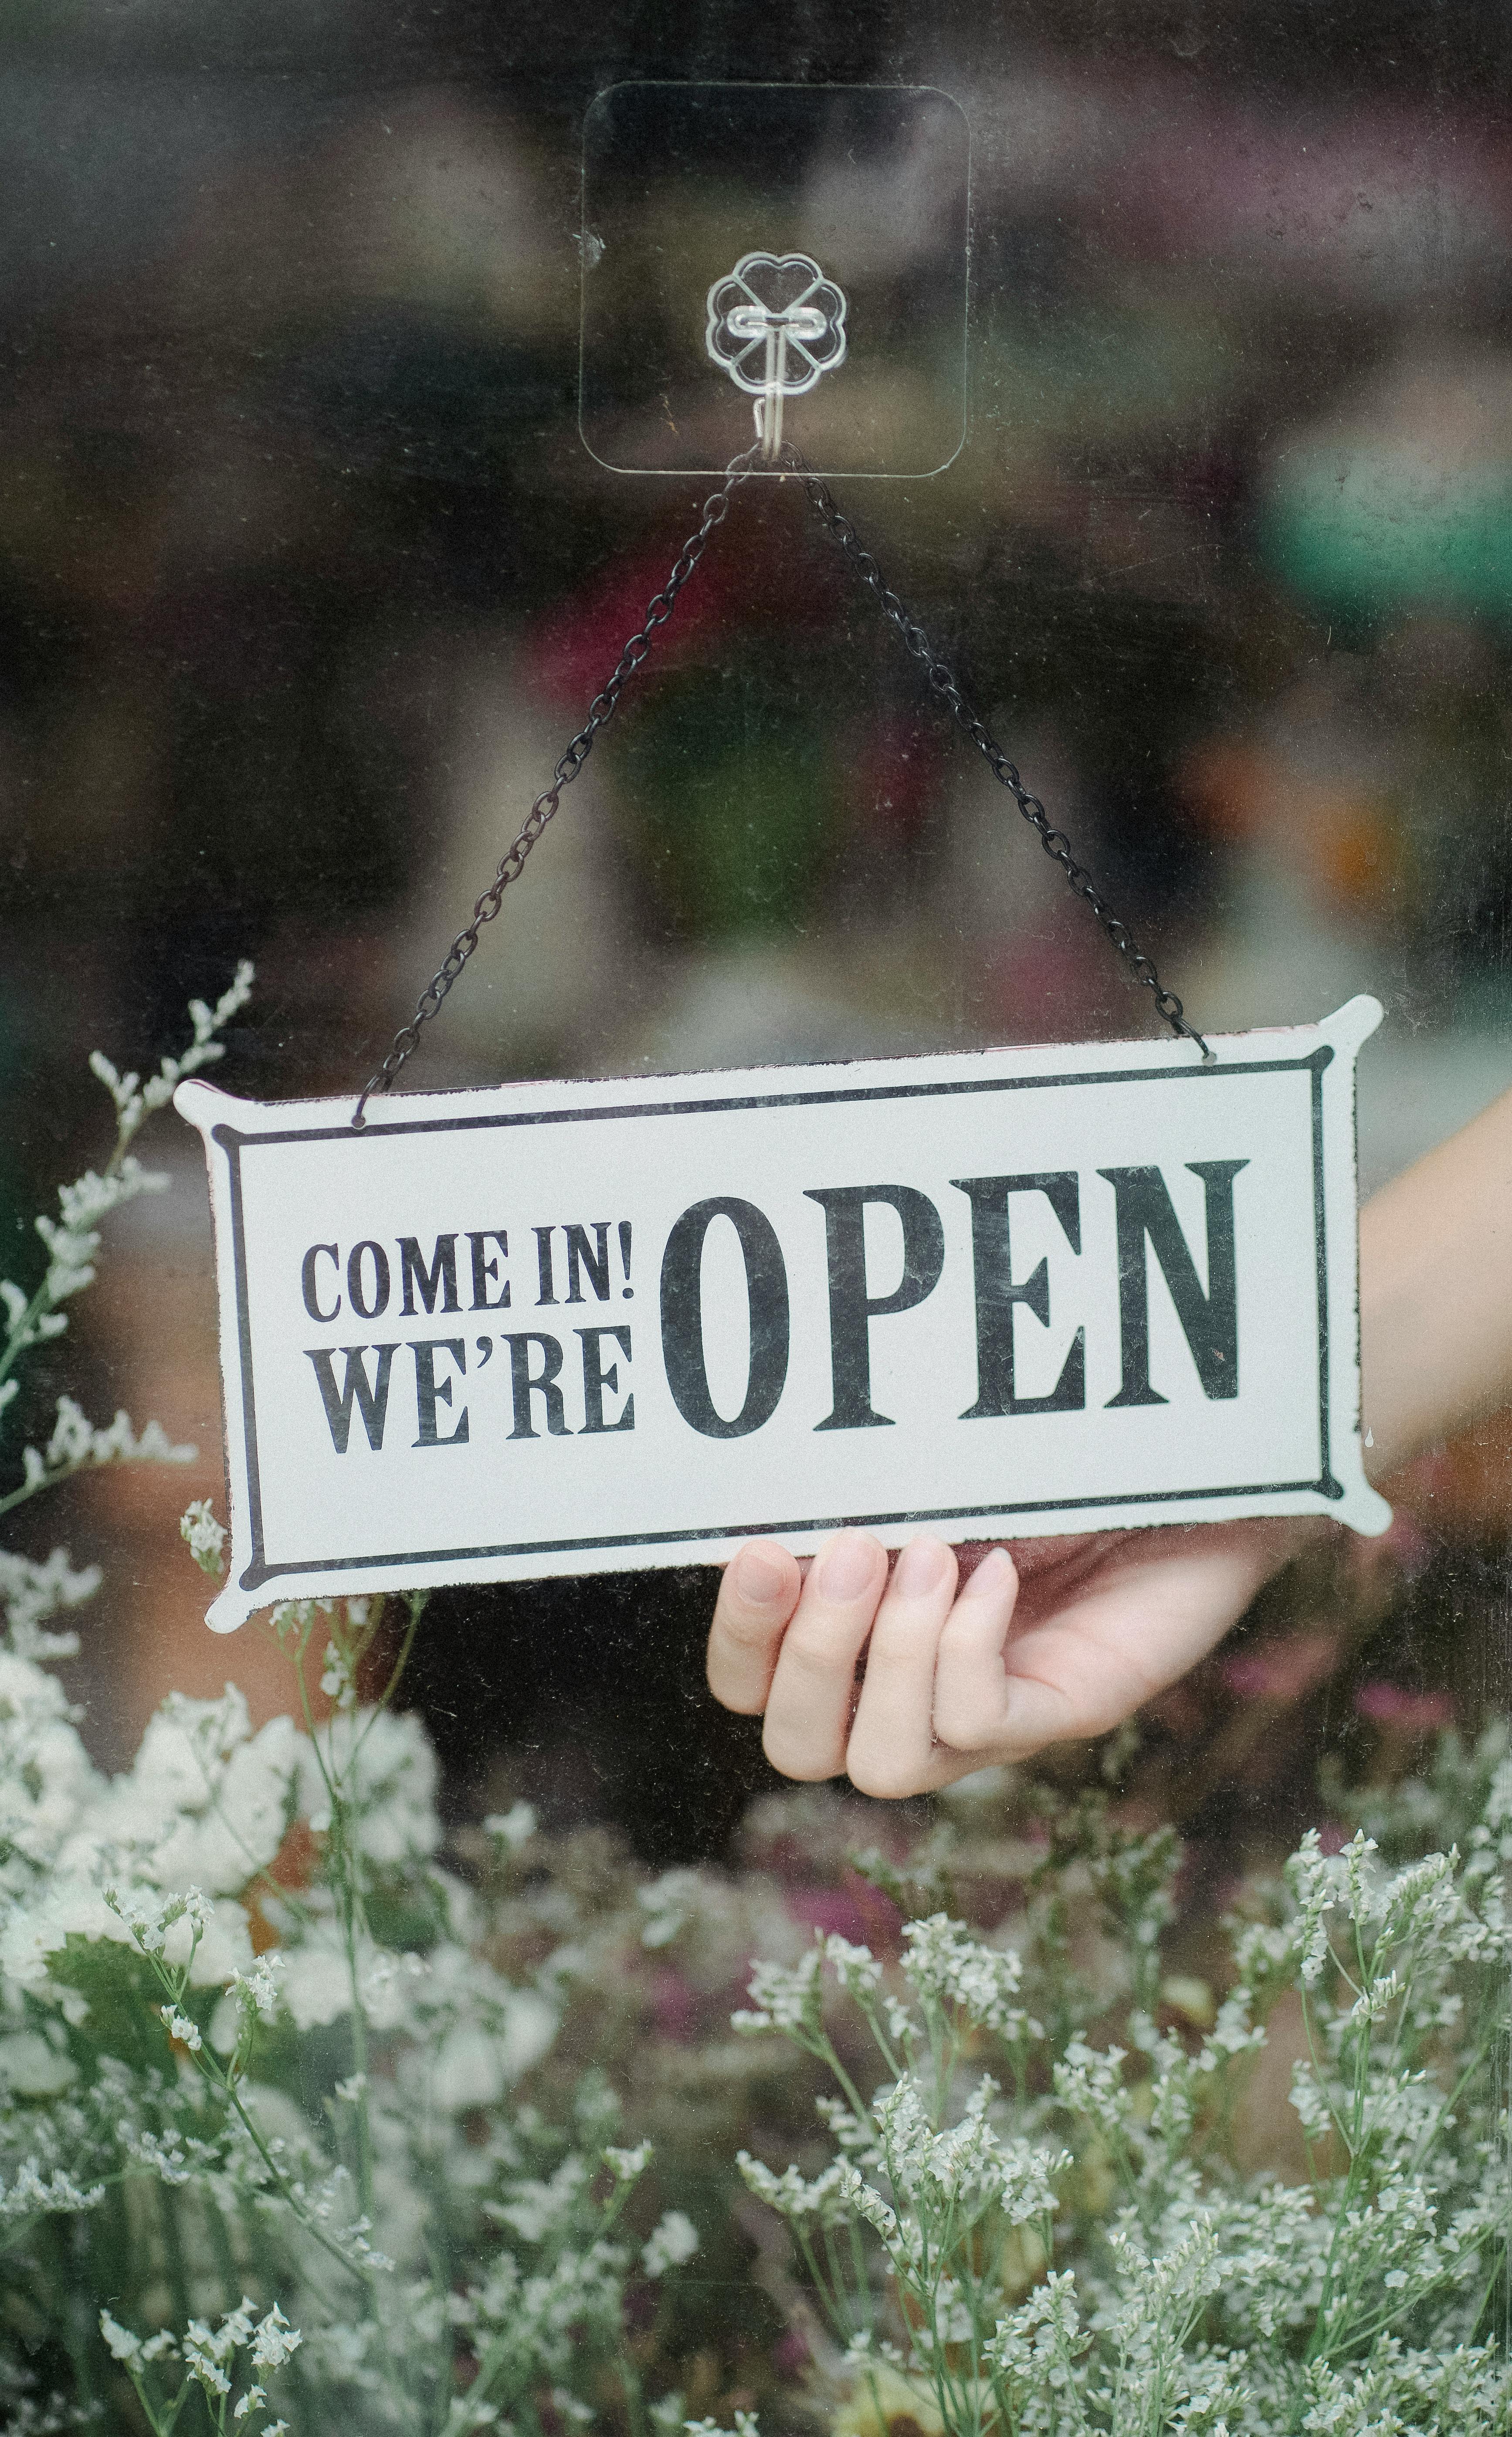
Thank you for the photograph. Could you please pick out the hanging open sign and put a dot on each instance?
(566, 1327)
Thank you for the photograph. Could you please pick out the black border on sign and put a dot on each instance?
(233, 1142)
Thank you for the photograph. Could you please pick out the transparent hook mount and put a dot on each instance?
(776, 326)
(844, 210)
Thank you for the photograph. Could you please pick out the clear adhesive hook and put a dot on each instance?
(848, 207)
(775, 326)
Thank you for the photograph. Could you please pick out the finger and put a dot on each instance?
(1092, 1662)
(757, 1594)
(971, 1682)
(892, 1748)
(813, 1687)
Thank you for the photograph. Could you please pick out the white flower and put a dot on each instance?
(134, 1101)
(182, 2026)
(162, 2154)
(669, 1903)
(856, 1967)
(393, 1796)
(56, 2194)
(675, 2241)
(256, 1991)
(317, 1988)
(33, 2068)
(468, 2070)
(224, 1946)
(782, 2000)
(513, 1828)
(868, 2203)
(119, 2340)
(202, 2361)
(528, 2030)
(176, 1927)
(946, 1963)
(47, 1782)
(206, 1538)
(540, 2206)
(625, 2165)
(275, 2341)
(337, 1681)
(790, 2194)
(474, 2065)
(204, 1803)
(390, 1984)
(32, 1591)
(1089, 2081)
(76, 1444)
(33, 1931)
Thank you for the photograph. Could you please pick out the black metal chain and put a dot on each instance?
(601, 708)
(945, 687)
(943, 683)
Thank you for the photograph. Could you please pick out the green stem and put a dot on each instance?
(217, 2076)
(44, 1303)
(220, 2083)
(273, 2271)
(79, 2333)
(416, 1603)
(177, 2267)
(823, 2047)
(831, 2299)
(40, 1306)
(634, 2391)
(64, 1472)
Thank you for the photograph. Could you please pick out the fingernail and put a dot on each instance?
(920, 1567)
(758, 1576)
(991, 1575)
(847, 1567)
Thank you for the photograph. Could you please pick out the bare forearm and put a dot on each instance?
(1435, 1291)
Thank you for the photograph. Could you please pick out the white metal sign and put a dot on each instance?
(565, 1328)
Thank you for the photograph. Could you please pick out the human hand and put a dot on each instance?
(909, 1682)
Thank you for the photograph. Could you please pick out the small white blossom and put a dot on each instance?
(79, 1445)
(669, 1903)
(513, 1828)
(337, 1682)
(274, 2341)
(120, 2341)
(782, 2000)
(671, 2244)
(856, 1967)
(206, 1538)
(33, 1590)
(791, 2195)
(55, 2194)
(256, 1991)
(947, 1964)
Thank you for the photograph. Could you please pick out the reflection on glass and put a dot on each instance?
(345, 2004)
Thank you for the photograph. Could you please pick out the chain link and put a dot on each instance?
(942, 684)
(601, 708)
